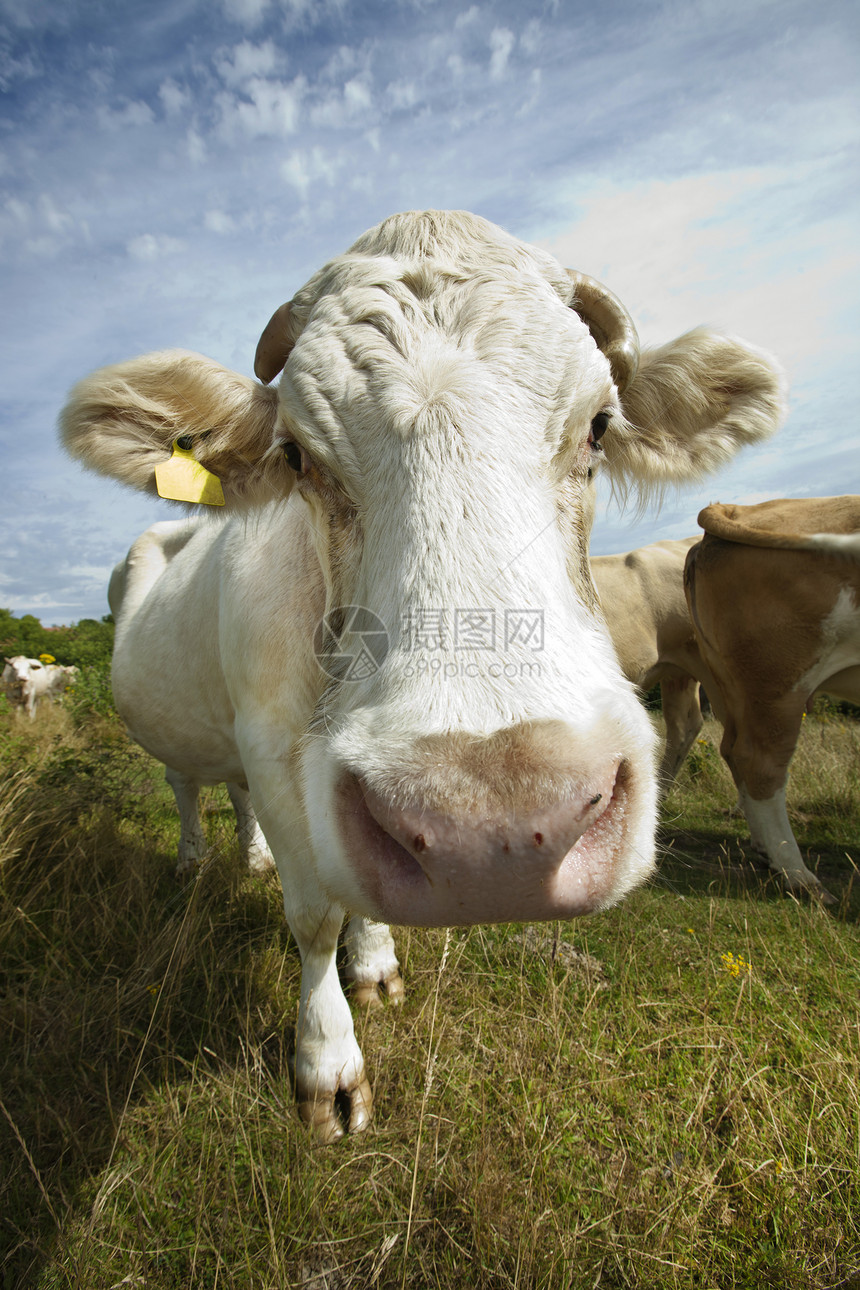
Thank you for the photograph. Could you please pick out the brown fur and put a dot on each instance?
(514, 771)
(759, 616)
(782, 522)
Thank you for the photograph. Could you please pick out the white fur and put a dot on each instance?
(27, 680)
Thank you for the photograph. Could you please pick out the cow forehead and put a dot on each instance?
(406, 300)
(381, 345)
(22, 665)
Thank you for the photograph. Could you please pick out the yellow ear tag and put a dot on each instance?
(183, 479)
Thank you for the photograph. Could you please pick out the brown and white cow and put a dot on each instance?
(642, 598)
(390, 634)
(774, 594)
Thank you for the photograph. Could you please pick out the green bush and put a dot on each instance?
(83, 644)
(91, 694)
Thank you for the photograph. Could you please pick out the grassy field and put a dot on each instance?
(667, 1095)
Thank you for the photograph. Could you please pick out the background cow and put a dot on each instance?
(774, 595)
(161, 543)
(414, 500)
(642, 599)
(27, 680)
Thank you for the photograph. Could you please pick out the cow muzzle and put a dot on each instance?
(428, 867)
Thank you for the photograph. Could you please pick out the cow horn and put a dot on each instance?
(610, 325)
(273, 347)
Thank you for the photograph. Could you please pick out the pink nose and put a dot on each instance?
(437, 842)
(426, 868)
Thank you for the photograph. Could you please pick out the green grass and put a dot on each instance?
(600, 1103)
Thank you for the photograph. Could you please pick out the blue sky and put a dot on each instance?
(173, 170)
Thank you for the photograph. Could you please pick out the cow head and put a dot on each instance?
(21, 672)
(448, 396)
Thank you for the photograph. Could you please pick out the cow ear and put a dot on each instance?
(691, 406)
(124, 421)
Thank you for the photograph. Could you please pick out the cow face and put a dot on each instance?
(448, 395)
(22, 674)
(445, 435)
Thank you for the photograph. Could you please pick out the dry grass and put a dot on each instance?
(607, 1103)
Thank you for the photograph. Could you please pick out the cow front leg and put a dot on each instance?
(371, 963)
(771, 835)
(332, 1089)
(758, 749)
(192, 841)
(252, 841)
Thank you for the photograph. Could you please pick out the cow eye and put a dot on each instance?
(598, 426)
(295, 458)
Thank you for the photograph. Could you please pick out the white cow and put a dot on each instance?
(27, 680)
(392, 636)
(164, 541)
(642, 599)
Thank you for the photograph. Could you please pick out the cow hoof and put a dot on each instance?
(814, 890)
(347, 1110)
(393, 988)
(370, 994)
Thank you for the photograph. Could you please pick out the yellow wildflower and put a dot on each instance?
(735, 966)
(46, 658)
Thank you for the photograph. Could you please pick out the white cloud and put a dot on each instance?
(175, 99)
(501, 44)
(246, 62)
(130, 116)
(218, 222)
(151, 246)
(195, 147)
(356, 96)
(716, 248)
(270, 109)
(402, 94)
(13, 70)
(339, 108)
(531, 36)
(467, 17)
(248, 13)
(18, 211)
(304, 167)
(58, 221)
(47, 227)
(292, 13)
(535, 82)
